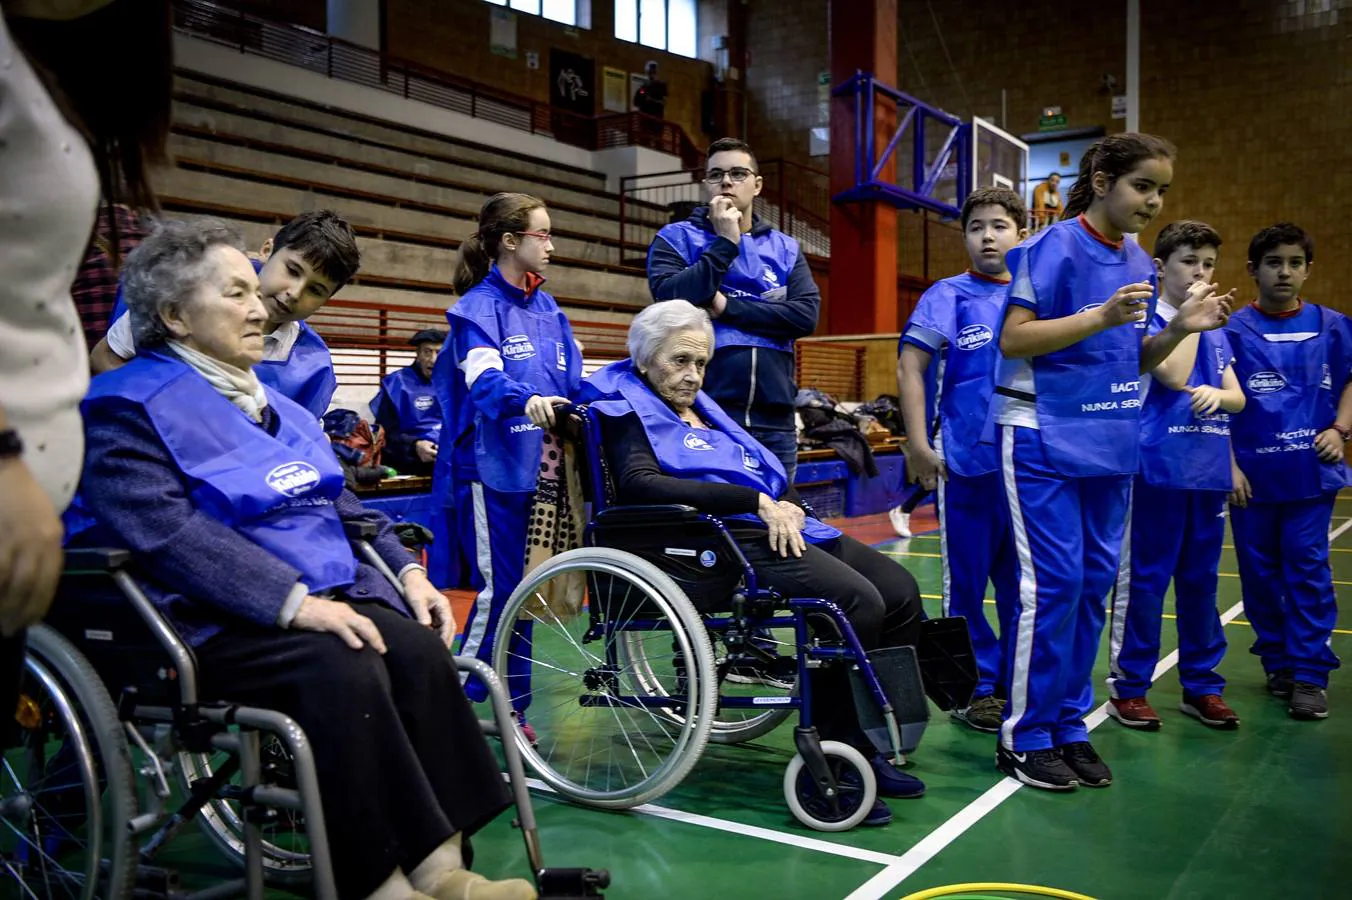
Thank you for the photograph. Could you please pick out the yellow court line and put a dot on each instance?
(910, 553)
(991, 602)
(1236, 575)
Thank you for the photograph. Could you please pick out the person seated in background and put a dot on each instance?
(1047, 202)
(233, 507)
(668, 443)
(299, 269)
(406, 407)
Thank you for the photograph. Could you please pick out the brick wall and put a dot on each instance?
(452, 35)
(1255, 93)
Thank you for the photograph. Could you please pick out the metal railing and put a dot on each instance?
(795, 199)
(333, 57)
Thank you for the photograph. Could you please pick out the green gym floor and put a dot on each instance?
(1261, 812)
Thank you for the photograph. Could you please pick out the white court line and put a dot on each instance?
(765, 834)
(886, 881)
(1337, 532)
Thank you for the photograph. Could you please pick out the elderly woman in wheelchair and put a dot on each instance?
(233, 508)
(724, 546)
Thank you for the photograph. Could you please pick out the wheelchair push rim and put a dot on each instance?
(607, 738)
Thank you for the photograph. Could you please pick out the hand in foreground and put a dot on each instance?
(1242, 492)
(725, 218)
(1329, 445)
(1205, 399)
(540, 410)
(1128, 304)
(426, 450)
(336, 617)
(926, 466)
(30, 548)
(429, 605)
(785, 535)
(1204, 309)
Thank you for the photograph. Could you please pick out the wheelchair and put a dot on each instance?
(117, 754)
(624, 653)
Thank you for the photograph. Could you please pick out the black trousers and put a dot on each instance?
(11, 671)
(879, 597)
(402, 763)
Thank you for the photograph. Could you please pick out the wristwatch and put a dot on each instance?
(10, 444)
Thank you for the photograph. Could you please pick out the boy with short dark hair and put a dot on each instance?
(1176, 518)
(957, 318)
(1295, 360)
(299, 269)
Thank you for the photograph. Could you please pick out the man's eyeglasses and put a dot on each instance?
(738, 175)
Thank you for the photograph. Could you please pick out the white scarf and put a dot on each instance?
(240, 386)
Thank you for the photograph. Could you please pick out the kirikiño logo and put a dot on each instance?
(695, 442)
(974, 337)
(293, 479)
(424, 403)
(518, 346)
(1266, 382)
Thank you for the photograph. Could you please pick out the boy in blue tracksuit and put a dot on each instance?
(406, 406)
(956, 321)
(1176, 520)
(1295, 361)
(758, 289)
(299, 269)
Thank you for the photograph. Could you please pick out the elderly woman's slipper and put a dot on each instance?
(462, 884)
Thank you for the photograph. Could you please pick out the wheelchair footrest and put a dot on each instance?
(948, 661)
(571, 884)
(898, 672)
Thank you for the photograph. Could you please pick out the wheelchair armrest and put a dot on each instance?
(359, 531)
(94, 559)
(656, 514)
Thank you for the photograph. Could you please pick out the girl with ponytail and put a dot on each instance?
(509, 359)
(1066, 419)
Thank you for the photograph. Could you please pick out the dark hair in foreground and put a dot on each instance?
(1274, 236)
(325, 240)
(723, 145)
(1114, 156)
(506, 213)
(996, 196)
(1185, 233)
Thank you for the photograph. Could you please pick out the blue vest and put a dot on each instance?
(1293, 390)
(414, 401)
(1179, 449)
(970, 357)
(306, 376)
(278, 491)
(537, 348)
(1088, 394)
(760, 274)
(724, 454)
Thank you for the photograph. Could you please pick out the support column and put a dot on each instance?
(863, 234)
(356, 21)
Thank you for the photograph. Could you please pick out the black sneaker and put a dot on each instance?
(1279, 683)
(1089, 768)
(1039, 768)
(1308, 701)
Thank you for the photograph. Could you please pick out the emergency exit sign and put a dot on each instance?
(1051, 118)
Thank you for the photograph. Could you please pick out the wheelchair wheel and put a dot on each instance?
(856, 788)
(286, 851)
(614, 669)
(67, 796)
(730, 726)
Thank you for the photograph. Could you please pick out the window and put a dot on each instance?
(663, 24)
(564, 11)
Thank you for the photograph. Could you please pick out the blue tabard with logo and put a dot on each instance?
(1088, 395)
(723, 454)
(760, 274)
(415, 402)
(306, 376)
(277, 491)
(539, 356)
(965, 310)
(1180, 449)
(1293, 388)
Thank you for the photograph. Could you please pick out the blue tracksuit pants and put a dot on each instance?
(1067, 535)
(976, 547)
(1172, 535)
(492, 528)
(1283, 554)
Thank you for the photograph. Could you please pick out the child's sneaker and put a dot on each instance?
(901, 521)
(1134, 712)
(1308, 701)
(526, 728)
(1211, 710)
(1038, 768)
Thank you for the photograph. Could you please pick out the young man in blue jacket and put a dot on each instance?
(755, 284)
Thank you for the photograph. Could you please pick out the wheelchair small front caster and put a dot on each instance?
(855, 791)
(571, 884)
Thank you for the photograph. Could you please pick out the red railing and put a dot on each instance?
(796, 199)
(333, 57)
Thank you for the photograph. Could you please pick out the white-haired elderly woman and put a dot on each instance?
(232, 503)
(667, 442)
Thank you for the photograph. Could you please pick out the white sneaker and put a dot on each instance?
(901, 521)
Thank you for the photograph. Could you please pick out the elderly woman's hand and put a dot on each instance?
(429, 605)
(334, 617)
(786, 535)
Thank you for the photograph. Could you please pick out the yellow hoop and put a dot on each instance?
(952, 889)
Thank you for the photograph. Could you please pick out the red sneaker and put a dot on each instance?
(1210, 709)
(526, 728)
(1134, 712)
